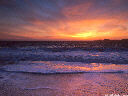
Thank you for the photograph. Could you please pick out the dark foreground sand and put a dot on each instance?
(86, 84)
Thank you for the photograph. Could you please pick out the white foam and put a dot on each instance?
(72, 56)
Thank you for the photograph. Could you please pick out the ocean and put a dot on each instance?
(64, 68)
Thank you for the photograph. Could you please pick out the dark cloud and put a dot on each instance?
(12, 37)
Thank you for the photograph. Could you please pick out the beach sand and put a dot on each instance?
(84, 84)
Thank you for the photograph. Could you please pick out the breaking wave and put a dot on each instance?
(68, 56)
(61, 67)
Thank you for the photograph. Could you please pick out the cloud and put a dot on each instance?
(63, 19)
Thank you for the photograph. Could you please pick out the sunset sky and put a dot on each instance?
(63, 19)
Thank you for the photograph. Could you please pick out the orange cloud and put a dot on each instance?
(90, 29)
(89, 20)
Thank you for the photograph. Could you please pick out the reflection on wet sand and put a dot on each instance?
(88, 84)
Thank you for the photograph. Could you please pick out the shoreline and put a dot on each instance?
(21, 84)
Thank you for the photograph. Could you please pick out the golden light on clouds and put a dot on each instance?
(65, 20)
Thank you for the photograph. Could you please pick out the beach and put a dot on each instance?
(40, 70)
(21, 83)
(84, 84)
(63, 47)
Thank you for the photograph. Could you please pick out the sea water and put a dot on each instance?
(98, 67)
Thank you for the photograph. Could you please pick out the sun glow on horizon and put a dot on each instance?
(64, 20)
(83, 34)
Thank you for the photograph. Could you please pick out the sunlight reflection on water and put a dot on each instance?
(91, 67)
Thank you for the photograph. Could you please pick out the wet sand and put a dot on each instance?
(85, 84)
